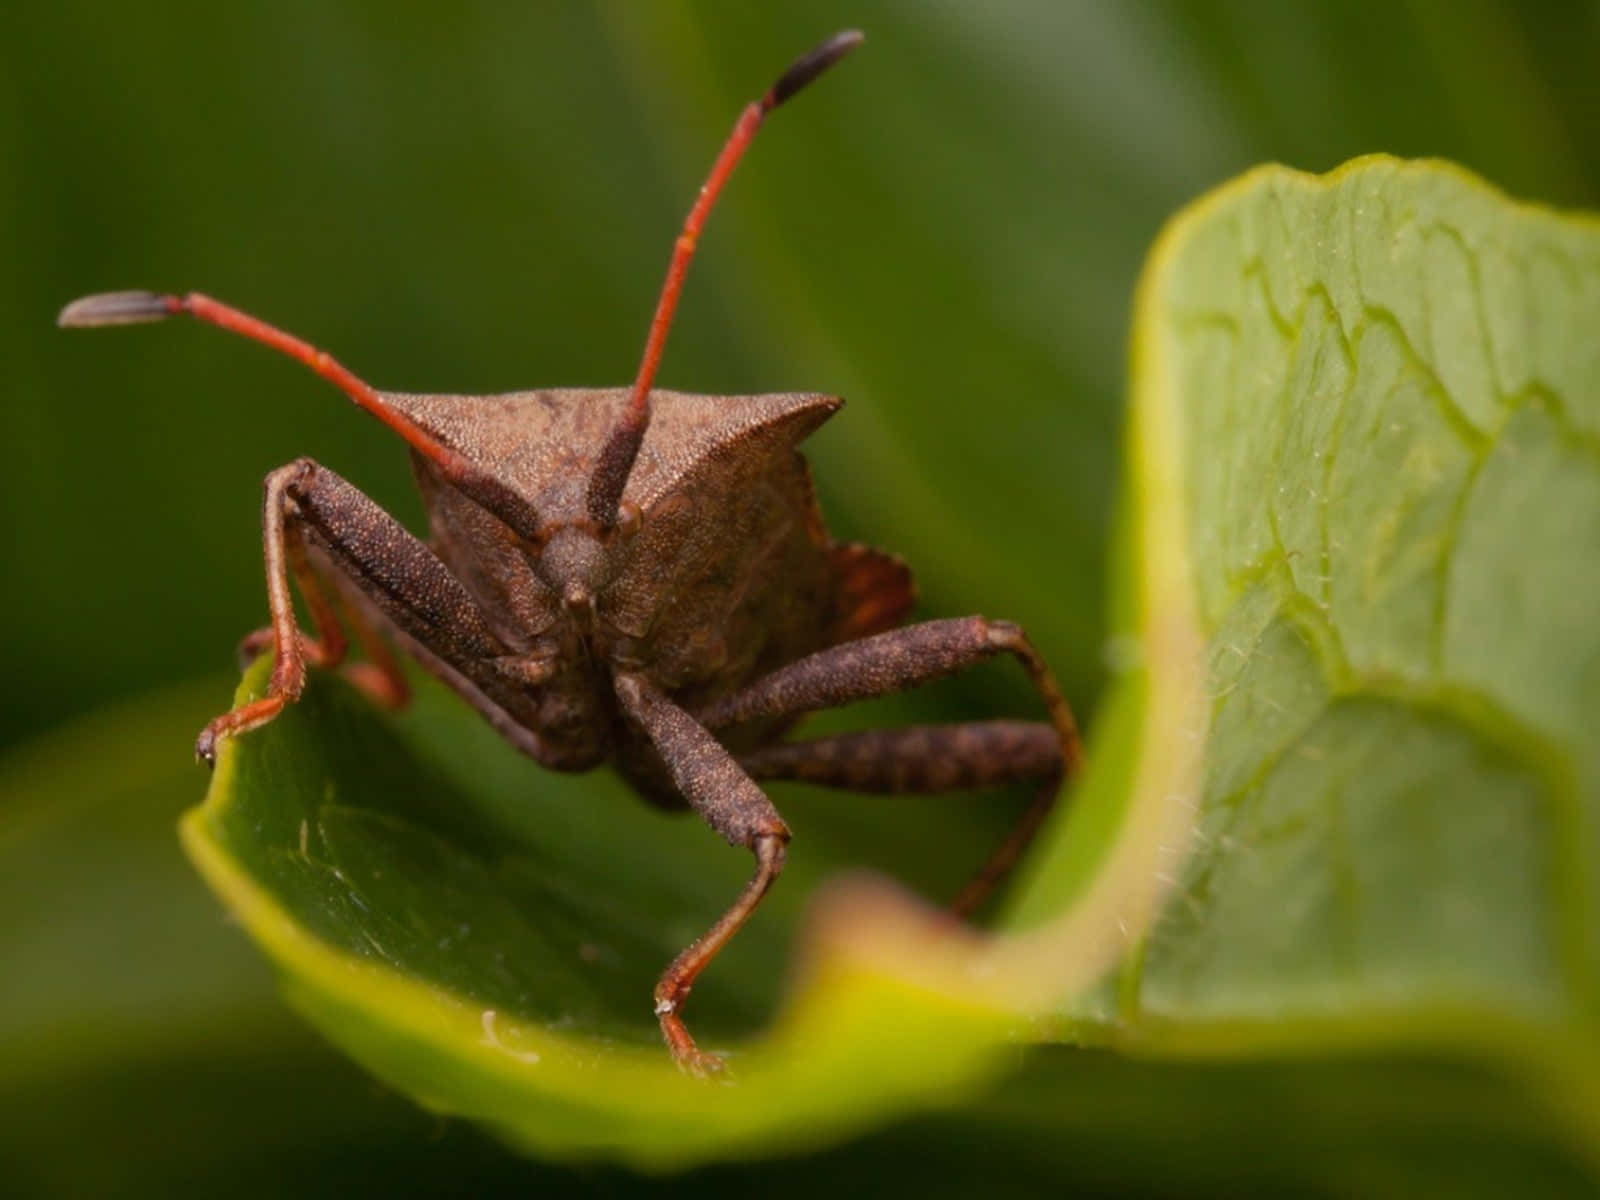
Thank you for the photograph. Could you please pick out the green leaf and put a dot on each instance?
(1386, 384)
(485, 936)
(1359, 513)
(138, 1023)
(144, 1048)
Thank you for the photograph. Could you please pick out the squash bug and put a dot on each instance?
(634, 576)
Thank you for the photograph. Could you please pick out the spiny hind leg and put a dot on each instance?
(925, 759)
(900, 659)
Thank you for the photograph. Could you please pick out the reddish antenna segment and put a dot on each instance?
(622, 447)
(132, 308)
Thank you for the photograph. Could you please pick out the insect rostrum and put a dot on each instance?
(634, 576)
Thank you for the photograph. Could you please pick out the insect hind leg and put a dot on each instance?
(894, 661)
(926, 759)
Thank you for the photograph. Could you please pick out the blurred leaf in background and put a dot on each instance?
(483, 198)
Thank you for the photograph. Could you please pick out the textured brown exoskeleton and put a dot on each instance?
(636, 576)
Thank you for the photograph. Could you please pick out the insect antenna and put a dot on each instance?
(138, 307)
(622, 447)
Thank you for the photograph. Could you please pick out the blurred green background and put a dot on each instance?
(482, 197)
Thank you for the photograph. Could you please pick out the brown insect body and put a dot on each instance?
(634, 576)
(725, 573)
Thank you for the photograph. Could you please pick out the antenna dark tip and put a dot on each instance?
(116, 308)
(808, 66)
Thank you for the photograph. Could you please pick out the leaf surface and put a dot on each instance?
(1384, 382)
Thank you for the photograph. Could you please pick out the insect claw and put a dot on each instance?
(702, 1064)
